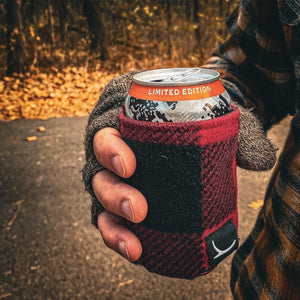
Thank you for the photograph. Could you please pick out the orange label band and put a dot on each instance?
(177, 93)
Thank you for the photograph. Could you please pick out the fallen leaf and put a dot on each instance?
(5, 295)
(41, 129)
(31, 138)
(42, 96)
(8, 273)
(256, 204)
(125, 282)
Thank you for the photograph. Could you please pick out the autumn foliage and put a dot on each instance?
(71, 92)
(57, 55)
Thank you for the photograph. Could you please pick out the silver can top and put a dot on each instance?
(176, 77)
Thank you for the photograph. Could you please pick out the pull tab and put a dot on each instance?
(183, 75)
(178, 77)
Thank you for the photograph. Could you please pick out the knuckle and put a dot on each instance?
(109, 192)
(107, 225)
(102, 225)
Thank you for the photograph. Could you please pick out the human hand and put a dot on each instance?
(119, 200)
(122, 201)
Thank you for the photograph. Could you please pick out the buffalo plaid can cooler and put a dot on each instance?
(187, 172)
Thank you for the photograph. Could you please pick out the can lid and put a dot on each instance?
(176, 77)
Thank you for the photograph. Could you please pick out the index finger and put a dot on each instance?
(113, 153)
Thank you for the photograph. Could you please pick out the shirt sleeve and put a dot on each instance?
(254, 62)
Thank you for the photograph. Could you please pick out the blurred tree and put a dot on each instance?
(62, 15)
(196, 21)
(126, 34)
(51, 21)
(169, 26)
(96, 28)
(15, 40)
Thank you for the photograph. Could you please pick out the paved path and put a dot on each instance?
(50, 250)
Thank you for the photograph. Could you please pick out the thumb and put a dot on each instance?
(255, 151)
(113, 153)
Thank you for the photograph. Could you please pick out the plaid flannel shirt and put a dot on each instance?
(260, 67)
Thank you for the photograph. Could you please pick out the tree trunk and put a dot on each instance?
(33, 12)
(196, 22)
(169, 23)
(62, 13)
(197, 28)
(96, 28)
(51, 22)
(221, 8)
(17, 56)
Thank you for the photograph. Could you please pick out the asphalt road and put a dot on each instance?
(49, 250)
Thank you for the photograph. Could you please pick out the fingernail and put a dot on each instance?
(123, 249)
(127, 210)
(118, 165)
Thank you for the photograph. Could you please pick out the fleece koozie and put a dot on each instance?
(187, 173)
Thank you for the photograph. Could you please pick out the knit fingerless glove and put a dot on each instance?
(187, 173)
(105, 114)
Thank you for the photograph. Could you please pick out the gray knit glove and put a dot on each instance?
(255, 151)
(105, 114)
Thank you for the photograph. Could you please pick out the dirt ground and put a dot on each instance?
(49, 250)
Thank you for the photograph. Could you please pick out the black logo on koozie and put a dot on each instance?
(221, 243)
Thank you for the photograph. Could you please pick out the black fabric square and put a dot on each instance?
(169, 178)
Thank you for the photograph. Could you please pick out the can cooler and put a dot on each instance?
(187, 173)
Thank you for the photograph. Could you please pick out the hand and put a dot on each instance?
(119, 199)
(255, 152)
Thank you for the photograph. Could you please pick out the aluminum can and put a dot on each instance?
(177, 95)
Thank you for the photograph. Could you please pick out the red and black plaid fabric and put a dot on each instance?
(187, 172)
